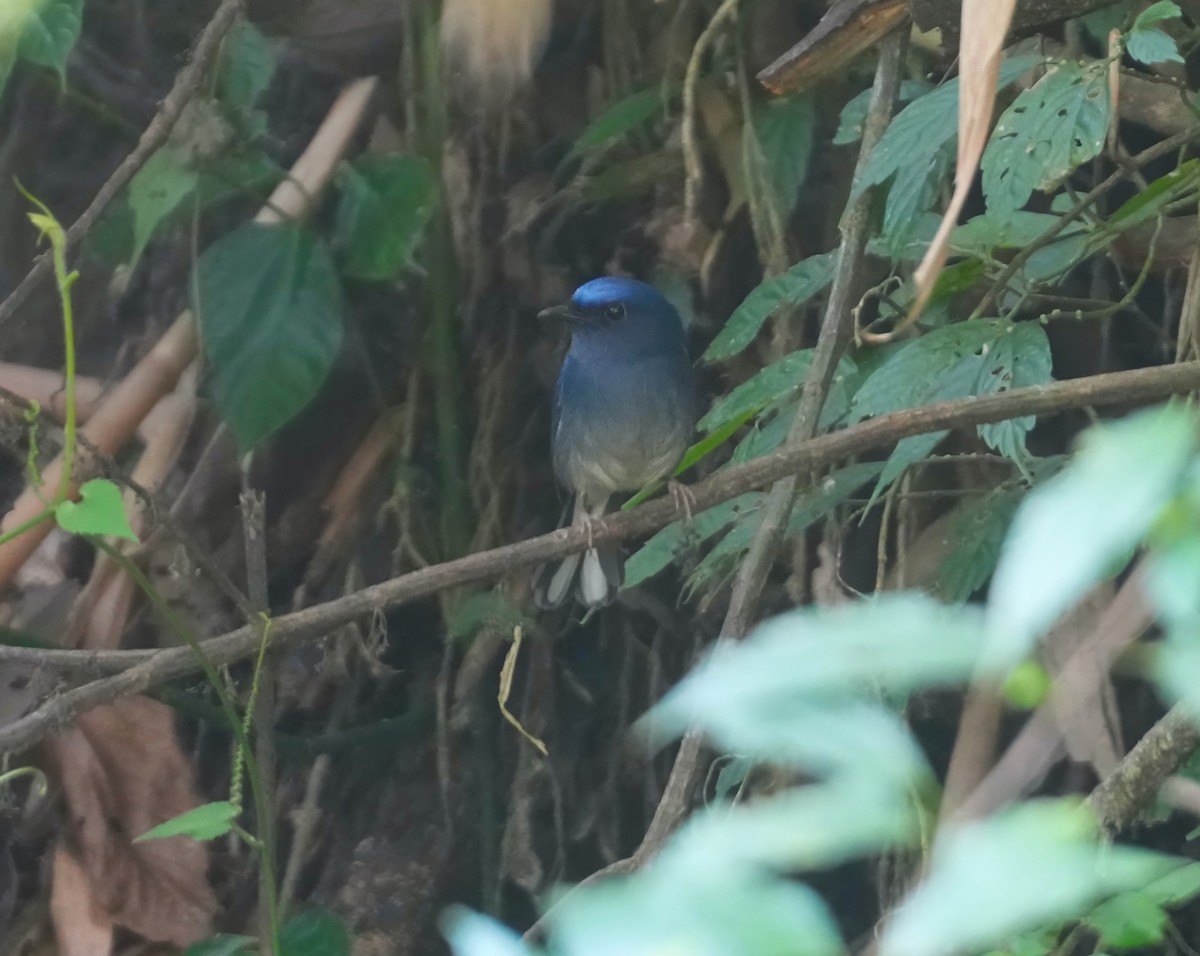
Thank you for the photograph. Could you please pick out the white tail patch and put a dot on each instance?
(593, 582)
(496, 43)
(560, 584)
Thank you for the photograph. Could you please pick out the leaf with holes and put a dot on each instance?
(1050, 130)
(99, 511)
(270, 314)
(800, 283)
(1020, 358)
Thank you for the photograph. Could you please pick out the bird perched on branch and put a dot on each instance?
(624, 411)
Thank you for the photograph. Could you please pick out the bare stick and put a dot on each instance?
(1121, 796)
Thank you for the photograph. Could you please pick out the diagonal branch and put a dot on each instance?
(187, 81)
(140, 670)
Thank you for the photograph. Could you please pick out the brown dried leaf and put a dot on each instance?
(985, 24)
(122, 772)
(81, 926)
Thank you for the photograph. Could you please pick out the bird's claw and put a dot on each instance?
(590, 527)
(682, 497)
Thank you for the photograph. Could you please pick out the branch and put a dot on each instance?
(1133, 784)
(187, 81)
(140, 670)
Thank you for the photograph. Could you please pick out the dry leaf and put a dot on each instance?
(984, 26)
(497, 45)
(81, 926)
(122, 772)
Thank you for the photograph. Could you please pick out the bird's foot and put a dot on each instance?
(591, 526)
(682, 497)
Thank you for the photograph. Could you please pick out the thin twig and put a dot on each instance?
(187, 81)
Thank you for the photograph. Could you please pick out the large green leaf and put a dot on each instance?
(270, 314)
(38, 31)
(785, 134)
(799, 284)
(473, 934)
(768, 387)
(794, 690)
(1052, 128)
(978, 531)
(620, 118)
(1029, 865)
(665, 546)
(810, 506)
(314, 933)
(915, 152)
(155, 192)
(246, 67)
(386, 204)
(702, 910)
(1078, 527)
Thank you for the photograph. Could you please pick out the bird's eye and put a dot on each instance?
(615, 311)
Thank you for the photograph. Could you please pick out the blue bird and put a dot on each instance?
(624, 412)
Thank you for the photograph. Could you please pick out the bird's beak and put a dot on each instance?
(562, 313)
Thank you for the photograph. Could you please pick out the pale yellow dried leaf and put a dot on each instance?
(985, 24)
(496, 44)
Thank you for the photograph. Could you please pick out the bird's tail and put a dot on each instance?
(597, 574)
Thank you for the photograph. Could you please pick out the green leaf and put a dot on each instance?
(314, 933)
(665, 546)
(1072, 531)
(766, 388)
(1156, 13)
(38, 31)
(270, 313)
(915, 153)
(912, 375)
(205, 822)
(1128, 921)
(854, 113)
(224, 944)
(473, 934)
(792, 691)
(796, 286)
(1150, 202)
(246, 67)
(1050, 129)
(1032, 864)
(622, 117)
(810, 506)
(1020, 358)
(1152, 46)
(155, 191)
(700, 910)
(386, 203)
(100, 511)
(978, 531)
(785, 132)
(806, 828)
(484, 609)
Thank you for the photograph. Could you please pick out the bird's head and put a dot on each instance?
(613, 311)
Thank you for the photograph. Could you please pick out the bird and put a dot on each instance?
(624, 413)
